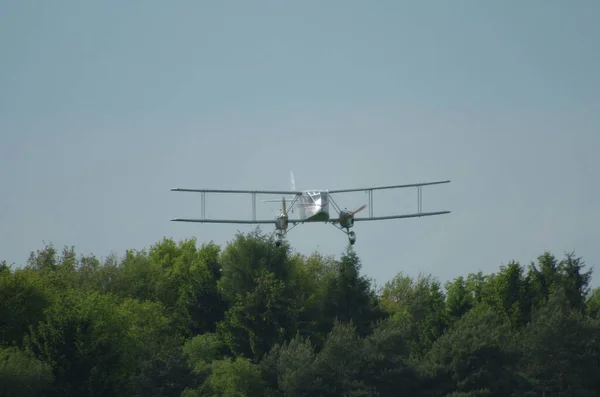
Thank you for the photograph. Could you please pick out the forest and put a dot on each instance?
(252, 319)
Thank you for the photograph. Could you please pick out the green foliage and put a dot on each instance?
(255, 319)
(350, 297)
(593, 303)
(262, 308)
(23, 299)
(508, 293)
(459, 299)
(561, 349)
(420, 305)
(474, 357)
(21, 374)
(238, 378)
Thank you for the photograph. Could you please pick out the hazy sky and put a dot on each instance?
(105, 106)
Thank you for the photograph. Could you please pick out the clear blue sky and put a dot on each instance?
(105, 106)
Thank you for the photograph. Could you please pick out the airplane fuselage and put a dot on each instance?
(313, 206)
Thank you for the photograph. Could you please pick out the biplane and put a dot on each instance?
(313, 206)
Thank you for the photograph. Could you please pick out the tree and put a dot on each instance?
(593, 303)
(560, 350)
(259, 318)
(474, 357)
(23, 300)
(459, 300)
(421, 305)
(350, 297)
(253, 319)
(509, 293)
(575, 281)
(21, 374)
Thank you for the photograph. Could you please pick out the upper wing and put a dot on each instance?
(387, 187)
(290, 192)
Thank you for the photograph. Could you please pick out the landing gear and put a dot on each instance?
(351, 237)
(345, 225)
(281, 225)
(279, 237)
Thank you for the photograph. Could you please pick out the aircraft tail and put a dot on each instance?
(293, 188)
(292, 181)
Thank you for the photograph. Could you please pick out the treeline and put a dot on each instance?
(253, 319)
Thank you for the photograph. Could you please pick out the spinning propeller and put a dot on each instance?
(284, 217)
(362, 207)
(344, 215)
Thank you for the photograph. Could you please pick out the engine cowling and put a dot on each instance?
(346, 219)
(281, 222)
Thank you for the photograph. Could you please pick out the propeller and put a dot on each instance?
(346, 214)
(284, 217)
(362, 207)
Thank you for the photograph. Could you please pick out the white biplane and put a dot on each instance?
(313, 206)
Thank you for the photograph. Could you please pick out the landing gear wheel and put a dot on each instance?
(352, 237)
(278, 238)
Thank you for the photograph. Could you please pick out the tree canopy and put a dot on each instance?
(255, 319)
